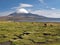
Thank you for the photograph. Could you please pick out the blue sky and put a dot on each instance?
(49, 8)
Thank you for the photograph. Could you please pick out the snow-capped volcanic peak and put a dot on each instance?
(22, 10)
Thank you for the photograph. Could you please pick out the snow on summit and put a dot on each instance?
(22, 10)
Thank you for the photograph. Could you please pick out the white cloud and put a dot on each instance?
(53, 8)
(25, 5)
(42, 1)
(45, 4)
(6, 13)
(14, 7)
(22, 5)
(48, 13)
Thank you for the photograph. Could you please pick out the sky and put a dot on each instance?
(48, 8)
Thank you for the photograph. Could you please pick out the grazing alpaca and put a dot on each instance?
(45, 25)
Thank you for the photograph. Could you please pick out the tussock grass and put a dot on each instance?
(30, 33)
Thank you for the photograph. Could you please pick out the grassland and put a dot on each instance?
(30, 33)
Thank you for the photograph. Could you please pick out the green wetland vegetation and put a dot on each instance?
(29, 33)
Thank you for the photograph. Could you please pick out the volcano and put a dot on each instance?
(24, 15)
